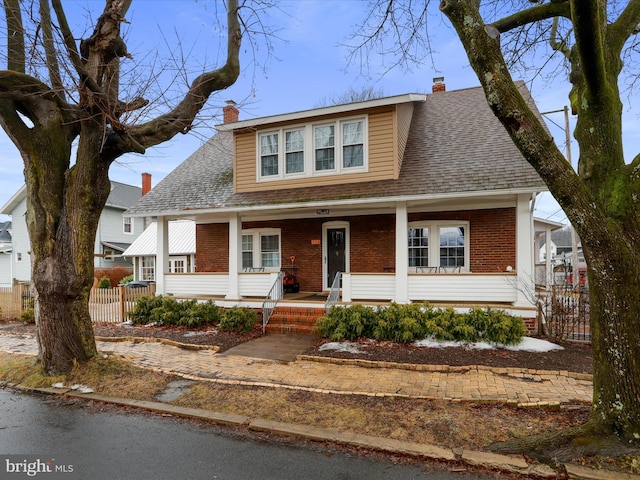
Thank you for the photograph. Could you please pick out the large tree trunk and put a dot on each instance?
(63, 214)
(600, 201)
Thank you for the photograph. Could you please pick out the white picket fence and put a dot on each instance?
(113, 304)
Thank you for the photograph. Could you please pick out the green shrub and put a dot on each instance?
(199, 314)
(141, 314)
(28, 315)
(408, 323)
(104, 283)
(347, 323)
(239, 319)
(170, 311)
(127, 279)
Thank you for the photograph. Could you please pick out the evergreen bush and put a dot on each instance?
(239, 319)
(104, 283)
(408, 323)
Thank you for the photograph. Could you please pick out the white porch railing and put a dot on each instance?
(439, 287)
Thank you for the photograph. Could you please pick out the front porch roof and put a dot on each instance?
(447, 156)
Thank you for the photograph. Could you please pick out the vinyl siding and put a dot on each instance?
(383, 161)
(20, 242)
(403, 119)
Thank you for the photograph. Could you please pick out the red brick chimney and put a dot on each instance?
(146, 183)
(438, 85)
(230, 112)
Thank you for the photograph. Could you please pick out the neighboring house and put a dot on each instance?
(413, 197)
(115, 232)
(5, 254)
(182, 250)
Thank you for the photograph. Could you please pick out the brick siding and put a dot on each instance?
(492, 242)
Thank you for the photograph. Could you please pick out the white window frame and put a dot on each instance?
(174, 260)
(257, 234)
(434, 242)
(109, 255)
(127, 221)
(148, 268)
(309, 150)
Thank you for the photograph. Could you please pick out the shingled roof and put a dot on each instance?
(455, 145)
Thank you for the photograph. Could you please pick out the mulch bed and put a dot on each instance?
(573, 358)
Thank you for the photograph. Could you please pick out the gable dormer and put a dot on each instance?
(358, 142)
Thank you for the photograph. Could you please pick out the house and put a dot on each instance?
(115, 232)
(416, 197)
(182, 250)
(5, 254)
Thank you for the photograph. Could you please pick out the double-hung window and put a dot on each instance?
(127, 224)
(148, 268)
(294, 151)
(269, 158)
(261, 249)
(353, 144)
(449, 242)
(325, 147)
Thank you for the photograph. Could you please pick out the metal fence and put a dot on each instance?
(105, 304)
(566, 313)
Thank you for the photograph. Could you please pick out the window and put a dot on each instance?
(450, 237)
(419, 247)
(294, 148)
(269, 155)
(325, 155)
(127, 225)
(178, 265)
(353, 144)
(109, 255)
(261, 249)
(148, 268)
(308, 150)
(452, 246)
(247, 251)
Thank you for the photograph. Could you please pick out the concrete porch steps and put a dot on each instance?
(294, 320)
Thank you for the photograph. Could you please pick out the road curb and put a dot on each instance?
(492, 461)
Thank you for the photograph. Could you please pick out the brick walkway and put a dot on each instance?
(523, 387)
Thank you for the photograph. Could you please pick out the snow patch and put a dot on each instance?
(347, 347)
(527, 344)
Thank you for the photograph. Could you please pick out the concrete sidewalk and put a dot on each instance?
(515, 386)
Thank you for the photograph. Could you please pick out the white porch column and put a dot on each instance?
(235, 238)
(525, 251)
(548, 268)
(402, 253)
(162, 254)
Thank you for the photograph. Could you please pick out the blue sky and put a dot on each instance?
(308, 65)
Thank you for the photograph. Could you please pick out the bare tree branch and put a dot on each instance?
(15, 36)
(49, 47)
(534, 14)
(627, 24)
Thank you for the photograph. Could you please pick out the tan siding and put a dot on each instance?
(404, 115)
(383, 159)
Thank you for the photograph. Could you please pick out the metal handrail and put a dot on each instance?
(269, 304)
(334, 293)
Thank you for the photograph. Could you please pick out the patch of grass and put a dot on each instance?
(110, 376)
(449, 424)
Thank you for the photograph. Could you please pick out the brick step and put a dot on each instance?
(290, 329)
(294, 320)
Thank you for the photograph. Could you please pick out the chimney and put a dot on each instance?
(146, 183)
(230, 112)
(438, 85)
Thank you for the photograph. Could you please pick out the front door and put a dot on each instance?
(336, 255)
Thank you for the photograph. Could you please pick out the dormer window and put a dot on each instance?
(336, 147)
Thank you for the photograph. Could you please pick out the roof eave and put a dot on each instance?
(338, 202)
(316, 112)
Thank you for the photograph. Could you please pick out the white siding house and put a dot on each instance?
(5, 254)
(114, 235)
(182, 250)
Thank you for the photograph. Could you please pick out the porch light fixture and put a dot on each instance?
(322, 211)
